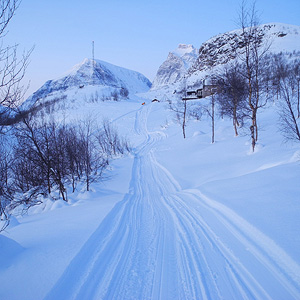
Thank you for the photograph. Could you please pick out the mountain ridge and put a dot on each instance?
(185, 61)
(220, 50)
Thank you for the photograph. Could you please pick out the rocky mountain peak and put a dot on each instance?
(175, 66)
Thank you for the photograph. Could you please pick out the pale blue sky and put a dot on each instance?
(134, 34)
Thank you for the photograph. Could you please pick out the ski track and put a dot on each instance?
(162, 242)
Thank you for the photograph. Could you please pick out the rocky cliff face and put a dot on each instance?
(176, 66)
(228, 46)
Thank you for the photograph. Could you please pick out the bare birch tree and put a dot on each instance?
(255, 50)
(12, 71)
(181, 108)
(286, 73)
(232, 95)
(12, 67)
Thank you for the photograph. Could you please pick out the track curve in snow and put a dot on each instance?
(162, 242)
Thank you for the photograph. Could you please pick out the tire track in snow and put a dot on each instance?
(275, 259)
(161, 242)
(202, 256)
(264, 253)
(124, 257)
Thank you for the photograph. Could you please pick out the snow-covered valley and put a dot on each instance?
(179, 219)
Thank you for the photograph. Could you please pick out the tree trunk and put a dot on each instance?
(252, 137)
(87, 182)
(235, 122)
(73, 183)
(212, 119)
(294, 121)
(298, 102)
(235, 127)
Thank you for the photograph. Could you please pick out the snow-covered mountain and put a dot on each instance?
(103, 78)
(175, 67)
(215, 52)
(225, 47)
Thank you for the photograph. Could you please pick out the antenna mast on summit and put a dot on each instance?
(93, 55)
(93, 50)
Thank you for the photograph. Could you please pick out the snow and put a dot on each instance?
(48, 239)
(178, 219)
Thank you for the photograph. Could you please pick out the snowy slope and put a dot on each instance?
(180, 219)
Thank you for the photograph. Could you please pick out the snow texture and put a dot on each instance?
(191, 220)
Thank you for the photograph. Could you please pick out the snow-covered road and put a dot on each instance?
(163, 242)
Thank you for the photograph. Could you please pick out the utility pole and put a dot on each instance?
(184, 111)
